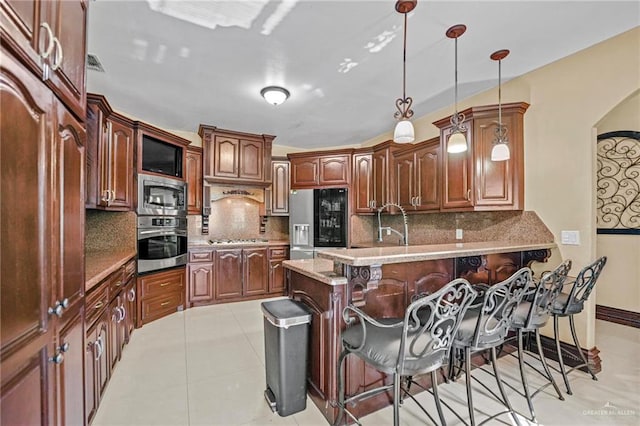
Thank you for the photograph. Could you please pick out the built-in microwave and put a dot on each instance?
(161, 196)
(161, 157)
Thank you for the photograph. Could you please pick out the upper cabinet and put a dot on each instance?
(471, 180)
(372, 181)
(324, 169)
(235, 157)
(110, 153)
(194, 180)
(416, 176)
(49, 37)
(279, 197)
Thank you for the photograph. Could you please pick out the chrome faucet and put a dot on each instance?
(405, 237)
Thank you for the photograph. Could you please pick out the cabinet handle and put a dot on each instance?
(98, 305)
(56, 64)
(119, 284)
(113, 194)
(50, 46)
(58, 308)
(65, 303)
(64, 347)
(164, 284)
(57, 358)
(105, 196)
(131, 296)
(164, 303)
(419, 200)
(468, 197)
(123, 312)
(100, 348)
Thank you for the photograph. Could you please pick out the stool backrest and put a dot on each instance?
(544, 293)
(499, 303)
(585, 281)
(431, 323)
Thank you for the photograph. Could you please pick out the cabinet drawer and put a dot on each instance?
(96, 302)
(278, 253)
(158, 307)
(129, 270)
(161, 283)
(115, 282)
(201, 256)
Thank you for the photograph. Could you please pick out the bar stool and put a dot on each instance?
(567, 305)
(418, 344)
(531, 315)
(485, 326)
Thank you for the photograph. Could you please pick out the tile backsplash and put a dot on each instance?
(110, 231)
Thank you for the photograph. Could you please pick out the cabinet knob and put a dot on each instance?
(64, 347)
(65, 303)
(57, 358)
(58, 308)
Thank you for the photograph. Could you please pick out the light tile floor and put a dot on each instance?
(205, 366)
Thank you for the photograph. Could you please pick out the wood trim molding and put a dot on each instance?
(619, 316)
(570, 354)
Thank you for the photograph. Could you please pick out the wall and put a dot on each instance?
(619, 285)
(568, 98)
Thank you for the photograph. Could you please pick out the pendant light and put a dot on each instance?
(500, 150)
(457, 139)
(404, 133)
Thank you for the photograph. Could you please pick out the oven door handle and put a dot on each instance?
(161, 233)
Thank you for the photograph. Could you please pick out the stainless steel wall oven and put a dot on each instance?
(162, 242)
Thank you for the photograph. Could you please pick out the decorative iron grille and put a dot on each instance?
(618, 190)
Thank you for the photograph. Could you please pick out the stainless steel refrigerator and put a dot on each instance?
(317, 220)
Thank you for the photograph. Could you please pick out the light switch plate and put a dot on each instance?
(571, 238)
(458, 234)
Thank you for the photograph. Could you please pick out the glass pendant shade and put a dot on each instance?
(500, 152)
(457, 143)
(404, 132)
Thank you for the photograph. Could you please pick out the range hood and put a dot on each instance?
(219, 192)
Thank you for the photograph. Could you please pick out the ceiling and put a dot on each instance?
(177, 64)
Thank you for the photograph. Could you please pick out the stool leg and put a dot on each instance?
(579, 348)
(396, 399)
(556, 336)
(546, 366)
(436, 397)
(340, 389)
(467, 375)
(494, 361)
(523, 375)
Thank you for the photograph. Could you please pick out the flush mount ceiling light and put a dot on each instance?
(404, 133)
(457, 140)
(275, 95)
(500, 150)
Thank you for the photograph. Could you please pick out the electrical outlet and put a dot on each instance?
(458, 234)
(388, 231)
(571, 238)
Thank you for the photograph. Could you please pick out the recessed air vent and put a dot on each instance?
(93, 63)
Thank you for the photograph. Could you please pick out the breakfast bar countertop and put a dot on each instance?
(401, 254)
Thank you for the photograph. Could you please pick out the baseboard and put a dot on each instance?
(619, 316)
(570, 354)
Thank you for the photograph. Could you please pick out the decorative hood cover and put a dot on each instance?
(219, 192)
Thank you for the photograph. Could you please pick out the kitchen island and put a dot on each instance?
(382, 281)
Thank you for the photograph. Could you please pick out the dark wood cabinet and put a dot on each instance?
(228, 274)
(230, 156)
(417, 171)
(160, 294)
(280, 187)
(110, 157)
(96, 363)
(129, 306)
(277, 283)
(361, 188)
(471, 180)
(201, 277)
(321, 169)
(70, 377)
(255, 278)
(373, 177)
(194, 180)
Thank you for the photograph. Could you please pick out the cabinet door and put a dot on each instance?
(115, 332)
(226, 157)
(121, 166)
(70, 378)
(427, 178)
(280, 188)
(200, 282)
(68, 20)
(304, 172)
(228, 274)
(457, 174)
(251, 160)
(381, 183)
(255, 267)
(494, 179)
(102, 363)
(94, 132)
(129, 294)
(276, 276)
(361, 192)
(21, 23)
(91, 353)
(334, 170)
(28, 251)
(194, 180)
(405, 182)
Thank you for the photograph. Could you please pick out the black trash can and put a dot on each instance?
(286, 336)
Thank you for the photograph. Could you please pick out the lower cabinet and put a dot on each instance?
(276, 271)
(160, 294)
(96, 364)
(69, 370)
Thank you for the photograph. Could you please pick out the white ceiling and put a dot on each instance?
(177, 64)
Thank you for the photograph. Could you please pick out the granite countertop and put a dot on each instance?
(401, 254)
(100, 264)
(318, 269)
(204, 243)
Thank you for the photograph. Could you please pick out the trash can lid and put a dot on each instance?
(285, 313)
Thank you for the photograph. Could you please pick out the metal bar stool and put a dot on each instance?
(418, 344)
(567, 305)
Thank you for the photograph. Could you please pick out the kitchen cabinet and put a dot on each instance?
(417, 176)
(70, 369)
(324, 169)
(231, 157)
(373, 177)
(277, 255)
(280, 187)
(96, 363)
(227, 275)
(160, 294)
(194, 180)
(255, 278)
(41, 179)
(361, 188)
(201, 277)
(110, 158)
(470, 180)
(49, 38)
